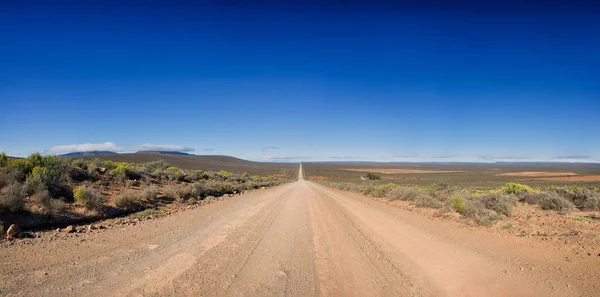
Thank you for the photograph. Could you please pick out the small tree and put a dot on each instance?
(373, 176)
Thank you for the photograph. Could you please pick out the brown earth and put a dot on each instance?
(299, 239)
(537, 173)
(572, 178)
(395, 170)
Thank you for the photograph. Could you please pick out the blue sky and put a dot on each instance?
(335, 82)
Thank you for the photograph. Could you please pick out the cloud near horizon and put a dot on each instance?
(573, 157)
(494, 158)
(278, 158)
(346, 158)
(112, 147)
(267, 148)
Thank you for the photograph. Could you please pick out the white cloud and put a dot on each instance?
(85, 147)
(164, 147)
(109, 146)
(283, 159)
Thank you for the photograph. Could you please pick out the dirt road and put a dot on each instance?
(299, 239)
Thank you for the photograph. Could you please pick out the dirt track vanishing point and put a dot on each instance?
(299, 239)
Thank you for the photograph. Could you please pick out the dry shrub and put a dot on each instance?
(426, 200)
(150, 192)
(12, 198)
(501, 204)
(402, 193)
(89, 198)
(547, 200)
(477, 210)
(128, 200)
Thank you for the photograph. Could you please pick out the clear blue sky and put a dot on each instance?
(383, 83)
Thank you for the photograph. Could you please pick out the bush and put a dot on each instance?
(128, 200)
(458, 204)
(77, 174)
(402, 193)
(477, 210)
(553, 201)
(20, 168)
(170, 192)
(12, 198)
(592, 203)
(501, 204)
(183, 193)
(34, 160)
(173, 173)
(584, 199)
(217, 188)
(36, 181)
(42, 198)
(88, 198)
(515, 189)
(547, 200)
(373, 176)
(81, 163)
(3, 159)
(426, 200)
(132, 183)
(150, 192)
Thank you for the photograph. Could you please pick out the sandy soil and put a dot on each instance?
(396, 170)
(299, 239)
(537, 174)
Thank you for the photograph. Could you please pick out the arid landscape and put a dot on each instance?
(304, 239)
(299, 148)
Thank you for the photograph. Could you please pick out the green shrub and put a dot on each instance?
(367, 190)
(36, 181)
(458, 204)
(150, 192)
(515, 189)
(12, 198)
(89, 198)
(3, 159)
(132, 183)
(121, 168)
(34, 160)
(109, 165)
(128, 200)
(224, 173)
(20, 167)
(81, 163)
(174, 173)
(373, 176)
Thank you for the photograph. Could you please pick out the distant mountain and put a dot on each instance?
(164, 152)
(204, 162)
(91, 153)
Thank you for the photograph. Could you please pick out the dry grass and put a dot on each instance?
(392, 171)
(537, 174)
